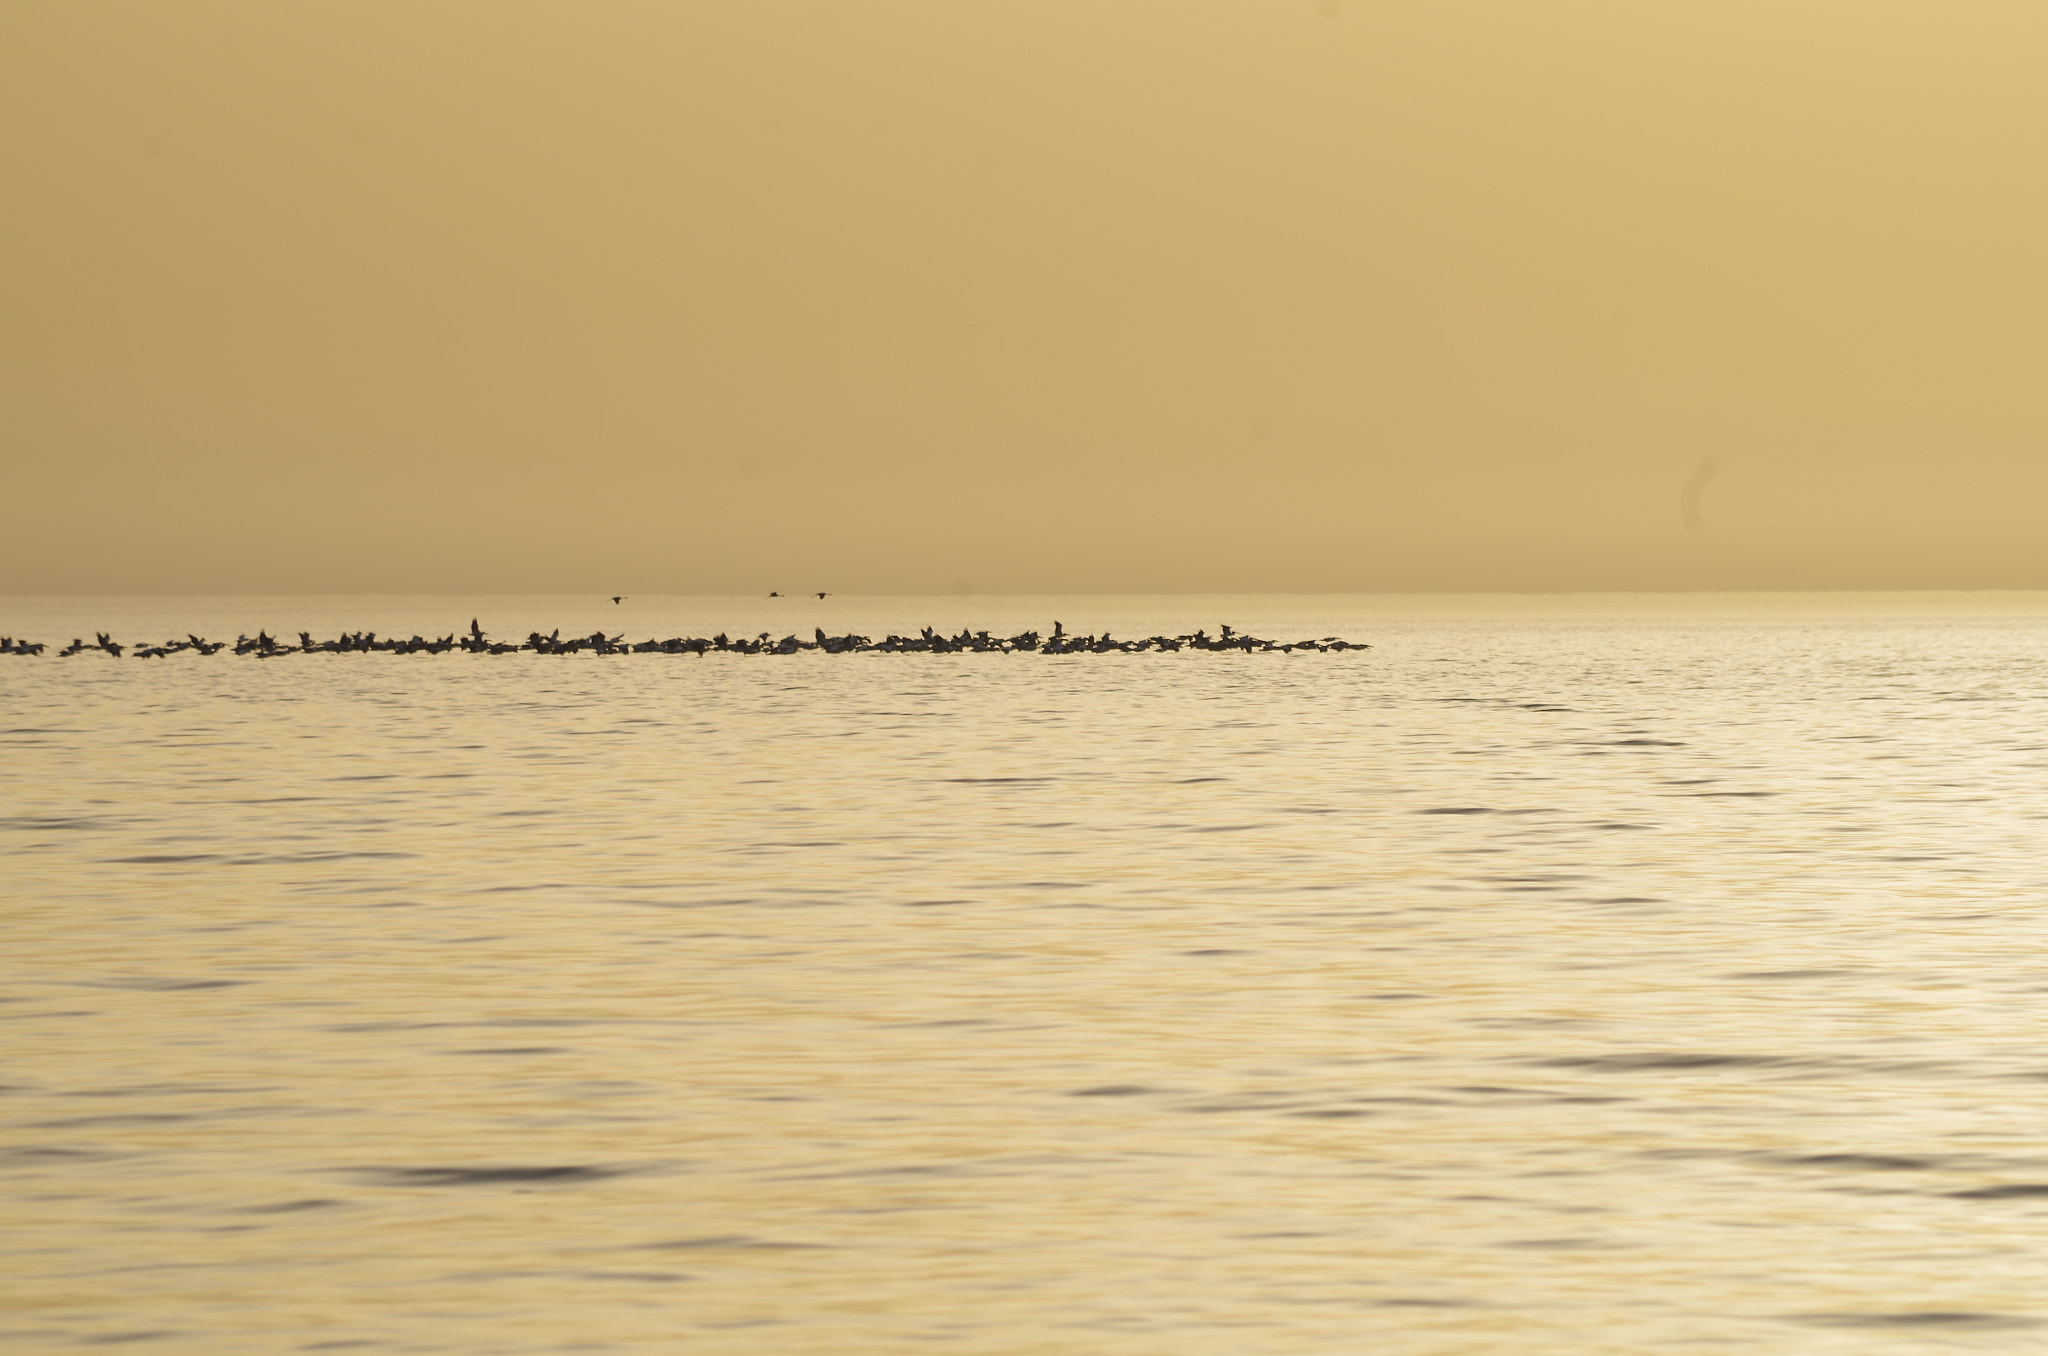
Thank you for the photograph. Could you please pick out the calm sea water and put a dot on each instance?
(1562, 975)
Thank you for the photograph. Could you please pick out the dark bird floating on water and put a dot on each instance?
(821, 595)
(773, 594)
(927, 641)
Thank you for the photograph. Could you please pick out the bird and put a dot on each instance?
(773, 594)
(821, 595)
(620, 598)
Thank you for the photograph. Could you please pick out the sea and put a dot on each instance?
(1563, 974)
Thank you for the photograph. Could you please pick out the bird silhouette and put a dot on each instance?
(773, 594)
(619, 599)
(821, 595)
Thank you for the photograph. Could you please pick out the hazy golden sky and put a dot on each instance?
(1022, 295)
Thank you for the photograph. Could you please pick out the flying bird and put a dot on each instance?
(821, 595)
(618, 599)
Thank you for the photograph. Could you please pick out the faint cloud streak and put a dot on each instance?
(1695, 489)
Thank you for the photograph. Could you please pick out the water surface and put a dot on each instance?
(1590, 975)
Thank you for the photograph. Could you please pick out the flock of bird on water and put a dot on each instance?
(265, 646)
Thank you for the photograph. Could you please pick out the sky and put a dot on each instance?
(959, 296)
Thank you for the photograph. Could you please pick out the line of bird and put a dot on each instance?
(263, 645)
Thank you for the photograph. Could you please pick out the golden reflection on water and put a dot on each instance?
(1573, 980)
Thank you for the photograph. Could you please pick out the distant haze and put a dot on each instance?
(1022, 295)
